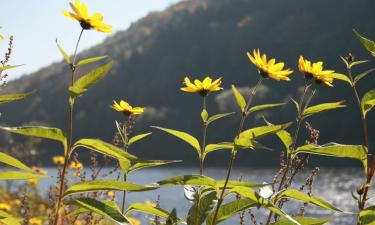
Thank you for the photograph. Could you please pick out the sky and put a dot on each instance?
(36, 24)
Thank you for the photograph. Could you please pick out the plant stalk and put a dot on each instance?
(204, 134)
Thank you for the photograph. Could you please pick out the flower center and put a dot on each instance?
(85, 24)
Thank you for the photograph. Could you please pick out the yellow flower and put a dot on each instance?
(33, 182)
(269, 68)
(110, 193)
(35, 221)
(127, 109)
(78, 222)
(134, 221)
(315, 70)
(77, 174)
(86, 21)
(75, 165)
(58, 160)
(202, 87)
(5, 207)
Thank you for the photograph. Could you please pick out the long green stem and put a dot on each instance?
(204, 134)
(69, 137)
(233, 153)
(125, 142)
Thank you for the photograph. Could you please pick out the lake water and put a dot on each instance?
(334, 185)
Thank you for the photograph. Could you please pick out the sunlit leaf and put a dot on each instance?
(188, 180)
(9, 160)
(2, 68)
(14, 97)
(367, 216)
(296, 104)
(90, 60)
(266, 106)
(200, 209)
(219, 146)
(368, 102)
(104, 148)
(358, 152)
(239, 98)
(304, 221)
(312, 110)
(105, 185)
(315, 200)
(63, 53)
(231, 209)
(342, 77)
(218, 116)
(358, 63)
(15, 175)
(40, 132)
(8, 219)
(101, 208)
(368, 44)
(183, 136)
(145, 208)
(362, 75)
(136, 138)
(150, 163)
(284, 136)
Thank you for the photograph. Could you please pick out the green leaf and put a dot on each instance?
(315, 200)
(141, 207)
(136, 138)
(40, 132)
(358, 63)
(204, 115)
(368, 102)
(342, 77)
(183, 136)
(284, 136)
(104, 148)
(368, 44)
(101, 185)
(362, 75)
(150, 163)
(15, 175)
(91, 60)
(7, 219)
(230, 209)
(266, 106)
(218, 116)
(239, 98)
(188, 180)
(358, 152)
(236, 183)
(9, 160)
(89, 79)
(63, 53)
(304, 221)
(367, 216)
(172, 218)
(312, 110)
(125, 165)
(2, 68)
(14, 97)
(101, 208)
(296, 104)
(219, 146)
(200, 209)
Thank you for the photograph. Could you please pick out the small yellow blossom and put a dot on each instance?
(202, 87)
(315, 70)
(78, 222)
(127, 109)
(134, 221)
(35, 221)
(33, 182)
(76, 165)
(86, 21)
(15, 202)
(77, 174)
(58, 160)
(110, 193)
(269, 68)
(5, 207)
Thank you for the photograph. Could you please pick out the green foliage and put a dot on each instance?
(304, 221)
(101, 185)
(265, 106)
(218, 116)
(343, 77)
(149, 163)
(362, 75)
(63, 53)
(368, 44)
(3, 68)
(136, 138)
(90, 60)
(367, 216)
(11, 161)
(15, 175)
(141, 207)
(7, 219)
(312, 110)
(368, 102)
(101, 208)
(201, 208)
(14, 97)
(219, 146)
(239, 98)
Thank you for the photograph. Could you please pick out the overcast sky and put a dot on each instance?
(36, 24)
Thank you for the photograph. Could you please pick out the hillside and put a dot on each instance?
(197, 38)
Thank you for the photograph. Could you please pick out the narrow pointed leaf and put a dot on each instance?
(296, 105)
(15, 175)
(219, 146)
(105, 185)
(104, 148)
(312, 110)
(90, 60)
(304, 221)
(200, 209)
(14, 97)
(368, 44)
(137, 138)
(239, 98)
(218, 116)
(368, 102)
(362, 75)
(64, 54)
(11, 161)
(266, 106)
(2, 68)
(367, 216)
(141, 207)
(183, 136)
(101, 208)
(342, 77)
(188, 180)
(151, 163)
(284, 136)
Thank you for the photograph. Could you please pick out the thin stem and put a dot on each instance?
(69, 138)
(126, 146)
(204, 134)
(233, 154)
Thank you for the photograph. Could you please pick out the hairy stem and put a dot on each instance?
(69, 137)
(234, 151)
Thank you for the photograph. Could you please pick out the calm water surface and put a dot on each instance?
(334, 185)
